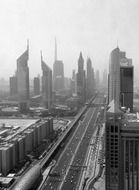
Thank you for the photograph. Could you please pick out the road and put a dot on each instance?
(68, 169)
(96, 178)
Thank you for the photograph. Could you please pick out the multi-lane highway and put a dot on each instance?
(67, 172)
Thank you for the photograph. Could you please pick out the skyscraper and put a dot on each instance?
(81, 81)
(121, 79)
(36, 82)
(73, 82)
(113, 125)
(114, 76)
(46, 84)
(122, 130)
(13, 86)
(97, 81)
(23, 81)
(126, 81)
(58, 72)
(90, 87)
(122, 149)
(104, 79)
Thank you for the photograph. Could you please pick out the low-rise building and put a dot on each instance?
(20, 137)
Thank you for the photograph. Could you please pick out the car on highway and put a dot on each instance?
(104, 165)
(54, 174)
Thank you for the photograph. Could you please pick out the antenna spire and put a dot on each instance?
(55, 49)
(117, 44)
(41, 55)
(28, 44)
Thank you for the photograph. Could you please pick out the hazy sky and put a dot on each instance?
(90, 26)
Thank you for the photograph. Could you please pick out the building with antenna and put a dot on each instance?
(58, 72)
(46, 84)
(81, 81)
(90, 81)
(23, 81)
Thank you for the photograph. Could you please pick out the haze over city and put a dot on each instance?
(90, 26)
(69, 95)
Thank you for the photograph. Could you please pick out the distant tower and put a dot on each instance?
(23, 81)
(81, 82)
(13, 86)
(97, 81)
(46, 84)
(55, 50)
(89, 79)
(58, 72)
(104, 79)
(73, 82)
(36, 82)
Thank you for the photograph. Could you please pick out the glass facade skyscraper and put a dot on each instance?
(23, 81)
(46, 85)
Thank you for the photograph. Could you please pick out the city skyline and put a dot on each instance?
(78, 26)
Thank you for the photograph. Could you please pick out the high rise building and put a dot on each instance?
(13, 86)
(73, 82)
(113, 125)
(36, 82)
(97, 81)
(121, 79)
(67, 83)
(81, 81)
(104, 79)
(122, 149)
(90, 87)
(46, 84)
(23, 81)
(126, 81)
(58, 72)
(122, 129)
(114, 76)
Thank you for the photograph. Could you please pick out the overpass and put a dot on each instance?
(60, 140)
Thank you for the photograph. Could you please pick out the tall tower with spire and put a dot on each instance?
(55, 50)
(90, 81)
(23, 80)
(58, 72)
(46, 84)
(81, 82)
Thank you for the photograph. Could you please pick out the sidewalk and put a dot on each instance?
(100, 184)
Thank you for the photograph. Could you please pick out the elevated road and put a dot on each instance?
(72, 179)
(68, 169)
(60, 140)
(49, 156)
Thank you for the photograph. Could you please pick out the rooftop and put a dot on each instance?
(11, 127)
(131, 120)
(113, 107)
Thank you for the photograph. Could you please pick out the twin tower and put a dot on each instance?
(49, 82)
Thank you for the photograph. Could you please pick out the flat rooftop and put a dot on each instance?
(23, 123)
(11, 127)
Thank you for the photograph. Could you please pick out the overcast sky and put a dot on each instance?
(90, 26)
